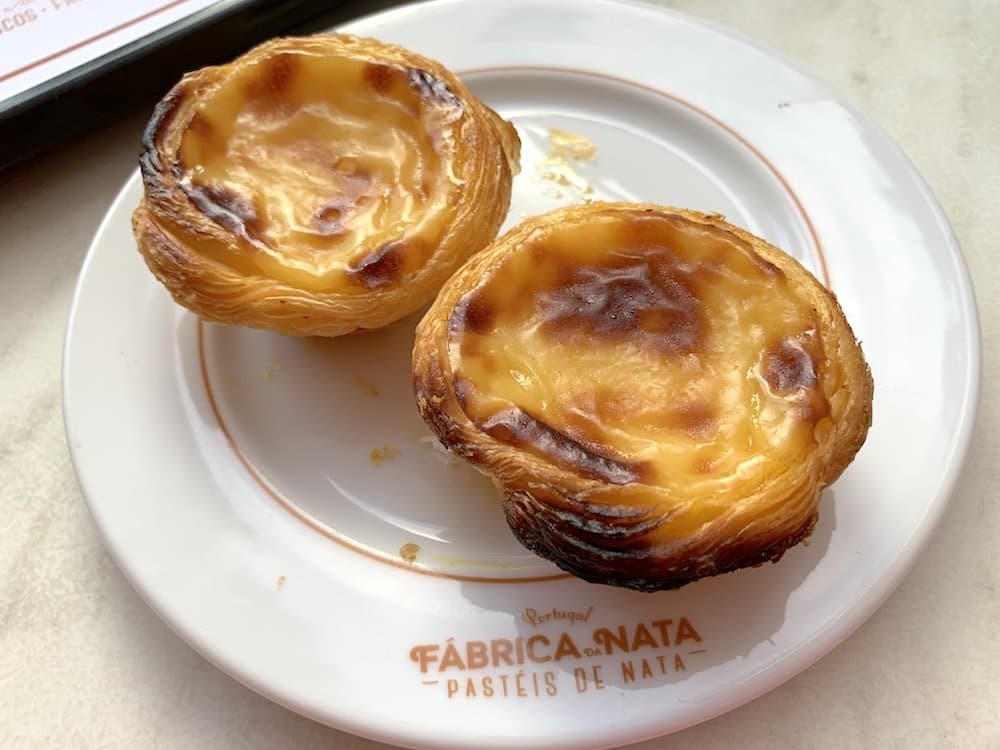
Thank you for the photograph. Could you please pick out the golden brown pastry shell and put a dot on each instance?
(604, 529)
(209, 267)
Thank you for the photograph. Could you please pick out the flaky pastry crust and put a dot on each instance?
(658, 395)
(319, 185)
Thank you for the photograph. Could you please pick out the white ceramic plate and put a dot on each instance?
(232, 474)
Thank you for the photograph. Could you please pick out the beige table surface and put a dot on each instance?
(85, 664)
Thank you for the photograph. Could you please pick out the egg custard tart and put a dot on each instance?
(659, 396)
(319, 185)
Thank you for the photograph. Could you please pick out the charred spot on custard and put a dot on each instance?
(633, 296)
(273, 80)
(381, 267)
(431, 87)
(516, 427)
(788, 367)
(475, 313)
(697, 419)
(381, 77)
(227, 208)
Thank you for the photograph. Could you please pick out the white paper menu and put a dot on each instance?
(41, 39)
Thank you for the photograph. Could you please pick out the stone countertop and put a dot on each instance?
(84, 663)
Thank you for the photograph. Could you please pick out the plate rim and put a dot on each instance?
(791, 663)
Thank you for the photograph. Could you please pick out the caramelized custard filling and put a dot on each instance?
(333, 173)
(649, 351)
